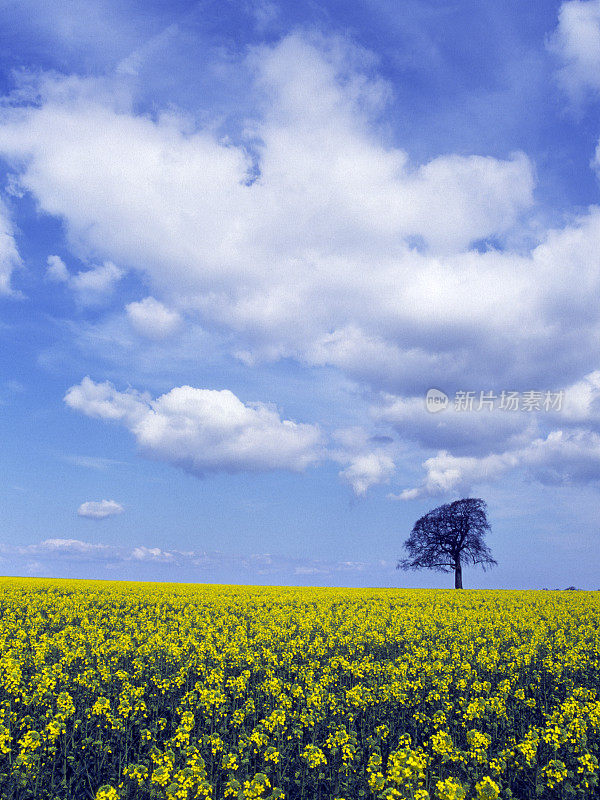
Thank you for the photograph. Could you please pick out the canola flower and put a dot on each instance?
(131, 691)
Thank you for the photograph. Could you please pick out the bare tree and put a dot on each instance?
(448, 537)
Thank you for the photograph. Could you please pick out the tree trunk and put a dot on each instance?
(458, 574)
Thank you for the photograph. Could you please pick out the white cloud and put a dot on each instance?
(57, 270)
(596, 160)
(152, 319)
(369, 459)
(91, 462)
(52, 556)
(582, 401)
(368, 469)
(480, 431)
(483, 446)
(354, 566)
(312, 571)
(475, 432)
(90, 286)
(576, 42)
(154, 554)
(310, 260)
(9, 254)
(99, 510)
(562, 458)
(203, 430)
(456, 474)
(71, 545)
(103, 401)
(333, 248)
(66, 549)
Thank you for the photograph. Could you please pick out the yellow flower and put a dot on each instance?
(487, 790)
(107, 793)
(450, 789)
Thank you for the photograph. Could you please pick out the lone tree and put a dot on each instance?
(448, 537)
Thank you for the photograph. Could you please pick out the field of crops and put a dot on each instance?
(113, 690)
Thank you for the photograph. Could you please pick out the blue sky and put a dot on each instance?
(240, 241)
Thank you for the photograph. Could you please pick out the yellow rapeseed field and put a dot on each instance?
(131, 690)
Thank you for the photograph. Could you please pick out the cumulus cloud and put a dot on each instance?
(554, 445)
(446, 473)
(332, 248)
(561, 458)
(103, 401)
(203, 430)
(311, 236)
(368, 469)
(152, 319)
(368, 460)
(90, 286)
(99, 510)
(307, 251)
(576, 42)
(475, 432)
(582, 401)
(488, 427)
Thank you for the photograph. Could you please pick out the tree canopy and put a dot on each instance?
(449, 536)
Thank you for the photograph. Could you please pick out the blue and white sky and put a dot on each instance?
(240, 241)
